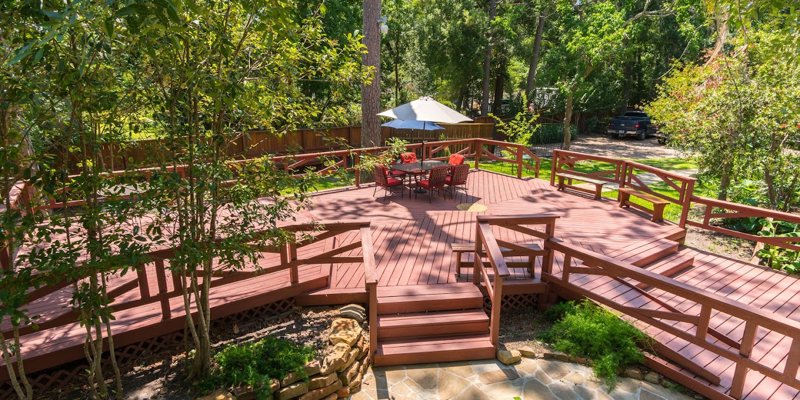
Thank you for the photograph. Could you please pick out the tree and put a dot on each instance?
(487, 58)
(371, 90)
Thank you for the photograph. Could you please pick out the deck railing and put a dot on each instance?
(692, 323)
(713, 210)
(626, 174)
(496, 250)
(285, 257)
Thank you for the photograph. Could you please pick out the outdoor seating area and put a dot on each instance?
(422, 177)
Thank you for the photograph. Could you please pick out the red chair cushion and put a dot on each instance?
(395, 172)
(456, 159)
(448, 180)
(425, 184)
(408, 158)
(393, 182)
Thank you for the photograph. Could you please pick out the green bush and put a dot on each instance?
(551, 133)
(254, 364)
(586, 330)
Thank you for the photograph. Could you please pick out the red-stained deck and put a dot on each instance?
(412, 240)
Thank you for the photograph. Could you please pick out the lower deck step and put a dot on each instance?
(433, 324)
(422, 298)
(428, 350)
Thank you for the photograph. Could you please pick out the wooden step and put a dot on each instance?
(430, 350)
(422, 298)
(670, 267)
(433, 324)
(652, 252)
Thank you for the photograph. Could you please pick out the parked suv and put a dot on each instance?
(632, 123)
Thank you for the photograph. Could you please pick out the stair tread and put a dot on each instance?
(661, 247)
(417, 345)
(666, 265)
(417, 290)
(431, 318)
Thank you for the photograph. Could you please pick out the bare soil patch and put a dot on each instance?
(629, 148)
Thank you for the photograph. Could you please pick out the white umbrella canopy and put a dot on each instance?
(413, 125)
(426, 109)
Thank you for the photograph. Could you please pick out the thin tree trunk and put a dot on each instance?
(487, 61)
(721, 17)
(568, 119)
(534, 64)
(499, 85)
(371, 92)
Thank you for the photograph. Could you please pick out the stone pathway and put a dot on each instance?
(537, 379)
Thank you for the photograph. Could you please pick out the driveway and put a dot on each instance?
(623, 148)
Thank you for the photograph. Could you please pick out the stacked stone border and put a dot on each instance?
(338, 372)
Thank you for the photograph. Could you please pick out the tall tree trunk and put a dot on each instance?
(499, 86)
(568, 119)
(487, 61)
(371, 92)
(537, 48)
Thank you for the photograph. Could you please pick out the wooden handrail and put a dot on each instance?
(496, 259)
(289, 260)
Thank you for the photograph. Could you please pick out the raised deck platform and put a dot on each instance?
(412, 247)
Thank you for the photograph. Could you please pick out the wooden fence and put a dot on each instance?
(256, 143)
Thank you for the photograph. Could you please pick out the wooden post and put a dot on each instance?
(703, 321)
(293, 270)
(553, 165)
(478, 152)
(567, 268)
(746, 347)
(356, 171)
(478, 261)
(519, 162)
(497, 306)
(686, 203)
(163, 294)
(141, 277)
(372, 289)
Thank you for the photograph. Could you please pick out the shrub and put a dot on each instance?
(551, 133)
(586, 330)
(255, 364)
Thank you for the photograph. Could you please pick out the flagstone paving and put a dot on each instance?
(532, 379)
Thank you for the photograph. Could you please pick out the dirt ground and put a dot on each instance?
(622, 148)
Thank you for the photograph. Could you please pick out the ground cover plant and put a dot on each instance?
(583, 329)
(254, 365)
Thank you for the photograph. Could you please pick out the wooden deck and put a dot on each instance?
(412, 239)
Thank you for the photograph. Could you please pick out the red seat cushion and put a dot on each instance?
(393, 182)
(456, 159)
(425, 184)
(395, 172)
(448, 180)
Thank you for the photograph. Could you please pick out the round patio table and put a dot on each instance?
(417, 168)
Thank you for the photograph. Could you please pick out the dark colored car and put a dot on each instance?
(632, 123)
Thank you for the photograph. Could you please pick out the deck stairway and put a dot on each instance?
(432, 323)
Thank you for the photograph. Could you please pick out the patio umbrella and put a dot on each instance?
(426, 109)
(413, 124)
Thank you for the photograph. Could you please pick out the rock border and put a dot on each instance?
(336, 374)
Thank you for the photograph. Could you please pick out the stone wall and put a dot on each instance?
(336, 374)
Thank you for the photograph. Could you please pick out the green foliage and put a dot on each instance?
(586, 330)
(521, 128)
(255, 364)
(738, 113)
(551, 133)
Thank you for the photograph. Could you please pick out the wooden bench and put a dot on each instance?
(469, 247)
(658, 203)
(598, 184)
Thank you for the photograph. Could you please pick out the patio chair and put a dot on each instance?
(383, 180)
(408, 158)
(458, 179)
(435, 182)
(455, 159)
